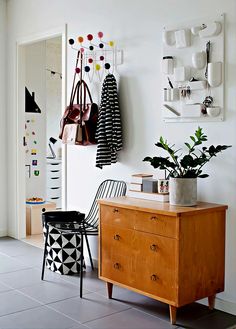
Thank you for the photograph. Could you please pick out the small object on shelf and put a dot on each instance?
(213, 111)
(183, 38)
(150, 186)
(191, 110)
(170, 83)
(167, 64)
(212, 29)
(197, 85)
(196, 29)
(181, 73)
(139, 178)
(168, 38)
(136, 187)
(214, 74)
(208, 49)
(171, 95)
(172, 110)
(199, 60)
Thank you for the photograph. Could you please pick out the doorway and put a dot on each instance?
(41, 102)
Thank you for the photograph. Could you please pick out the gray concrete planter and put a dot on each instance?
(183, 191)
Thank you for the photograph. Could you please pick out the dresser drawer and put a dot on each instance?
(119, 268)
(117, 216)
(116, 240)
(157, 224)
(155, 264)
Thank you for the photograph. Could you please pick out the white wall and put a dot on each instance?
(136, 27)
(3, 150)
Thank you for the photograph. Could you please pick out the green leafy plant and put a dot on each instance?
(189, 165)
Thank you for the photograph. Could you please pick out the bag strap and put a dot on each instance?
(72, 96)
(83, 89)
(89, 93)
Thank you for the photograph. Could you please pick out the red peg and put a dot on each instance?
(77, 70)
(90, 60)
(90, 37)
(100, 35)
(101, 58)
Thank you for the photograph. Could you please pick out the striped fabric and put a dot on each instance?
(109, 131)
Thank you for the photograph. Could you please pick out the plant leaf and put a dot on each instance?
(203, 176)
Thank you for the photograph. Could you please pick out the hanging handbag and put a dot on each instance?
(72, 134)
(83, 113)
(65, 120)
(89, 114)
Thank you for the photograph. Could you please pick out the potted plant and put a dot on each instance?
(184, 170)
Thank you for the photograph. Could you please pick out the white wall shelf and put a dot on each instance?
(180, 43)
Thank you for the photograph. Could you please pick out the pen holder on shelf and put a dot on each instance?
(214, 74)
(182, 73)
(167, 65)
(171, 94)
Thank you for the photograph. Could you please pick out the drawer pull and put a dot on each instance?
(116, 237)
(154, 277)
(153, 247)
(115, 210)
(116, 266)
(154, 218)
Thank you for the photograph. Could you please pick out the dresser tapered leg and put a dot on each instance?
(173, 311)
(109, 289)
(211, 302)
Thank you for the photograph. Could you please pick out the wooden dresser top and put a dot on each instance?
(162, 208)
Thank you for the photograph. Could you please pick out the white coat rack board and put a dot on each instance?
(193, 71)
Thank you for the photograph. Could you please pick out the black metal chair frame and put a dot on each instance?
(77, 223)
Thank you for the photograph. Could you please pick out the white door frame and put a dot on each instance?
(20, 110)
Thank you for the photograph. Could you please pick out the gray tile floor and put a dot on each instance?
(26, 302)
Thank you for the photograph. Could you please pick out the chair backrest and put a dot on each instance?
(107, 189)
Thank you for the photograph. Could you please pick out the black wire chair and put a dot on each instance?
(84, 226)
(107, 189)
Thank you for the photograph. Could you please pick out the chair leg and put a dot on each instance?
(89, 251)
(81, 264)
(44, 252)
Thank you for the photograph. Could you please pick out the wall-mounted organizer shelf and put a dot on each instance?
(193, 71)
(99, 56)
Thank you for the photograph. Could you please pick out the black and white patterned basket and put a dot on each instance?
(63, 251)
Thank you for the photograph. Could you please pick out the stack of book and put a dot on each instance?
(137, 181)
(136, 189)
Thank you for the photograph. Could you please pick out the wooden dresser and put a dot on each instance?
(173, 254)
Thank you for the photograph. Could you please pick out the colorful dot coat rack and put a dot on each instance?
(99, 57)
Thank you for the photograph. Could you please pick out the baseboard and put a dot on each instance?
(3, 233)
(222, 305)
(87, 262)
